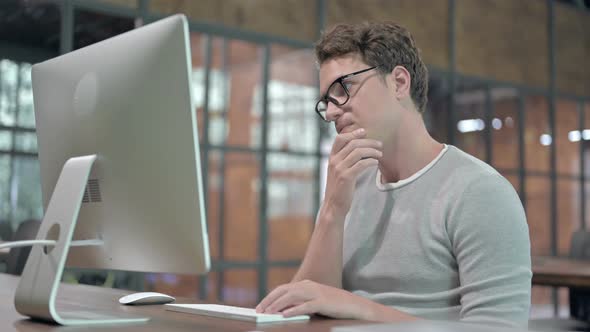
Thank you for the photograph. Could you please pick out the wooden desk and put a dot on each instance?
(561, 272)
(162, 320)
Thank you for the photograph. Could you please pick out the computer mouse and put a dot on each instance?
(146, 298)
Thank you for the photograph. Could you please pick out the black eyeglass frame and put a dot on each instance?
(326, 98)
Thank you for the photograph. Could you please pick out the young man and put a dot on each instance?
(409, 228)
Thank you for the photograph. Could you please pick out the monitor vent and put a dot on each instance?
(92, 192)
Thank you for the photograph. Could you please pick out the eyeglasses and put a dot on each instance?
(338, 93)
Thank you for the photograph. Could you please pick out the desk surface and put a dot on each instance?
(564, 272)
(162, 320)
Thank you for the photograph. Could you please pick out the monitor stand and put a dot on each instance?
(37, 289)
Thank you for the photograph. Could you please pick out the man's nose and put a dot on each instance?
(333, 112)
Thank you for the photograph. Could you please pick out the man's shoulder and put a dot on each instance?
(466, 163)
(464, 179)
(482, 198)
(465, 170)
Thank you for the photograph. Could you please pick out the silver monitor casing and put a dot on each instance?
(120, 113)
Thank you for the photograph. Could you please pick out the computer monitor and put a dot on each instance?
(120, 164)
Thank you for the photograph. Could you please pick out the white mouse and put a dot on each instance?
(146, 298)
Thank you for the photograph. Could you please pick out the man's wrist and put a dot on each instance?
(331, 215)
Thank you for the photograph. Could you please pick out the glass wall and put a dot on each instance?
(20, 184)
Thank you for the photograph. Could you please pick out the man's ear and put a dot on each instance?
(402, 81)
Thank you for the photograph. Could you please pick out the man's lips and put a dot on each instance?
(347, 129)
(341, 126)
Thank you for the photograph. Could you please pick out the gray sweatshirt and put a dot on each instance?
(451, 242)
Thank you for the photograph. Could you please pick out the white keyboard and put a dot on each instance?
(229, 312)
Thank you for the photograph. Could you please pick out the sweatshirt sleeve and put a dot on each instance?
(490, 240)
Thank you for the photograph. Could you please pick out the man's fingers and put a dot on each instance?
(305, 308)
(360, 154)
(360, 166)
(270, 298)
(287, 300)
(355, 144)
(342, 139)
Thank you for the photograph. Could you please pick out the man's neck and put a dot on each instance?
(409, 152)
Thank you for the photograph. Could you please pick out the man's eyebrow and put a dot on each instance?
(323, 93)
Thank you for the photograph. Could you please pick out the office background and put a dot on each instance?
(509, 84)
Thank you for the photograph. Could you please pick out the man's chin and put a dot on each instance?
(347, 129)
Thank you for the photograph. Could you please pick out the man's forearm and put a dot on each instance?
(323, 259)
(380, 313)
